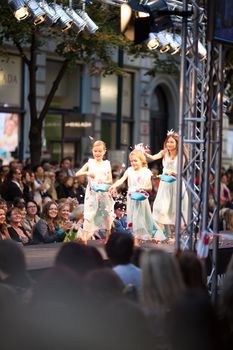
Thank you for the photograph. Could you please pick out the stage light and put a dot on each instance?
(64, 21)
(19, 9)
(90, 25)
(37, 12)
(202, 52)
(153, 41)
(163, 41)
(78, 23)
(174, 42)
(51, 17)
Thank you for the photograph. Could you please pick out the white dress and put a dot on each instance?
(98, 206)
(139, 216)
(164, 207)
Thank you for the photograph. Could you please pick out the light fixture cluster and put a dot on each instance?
(164, 20)
(51, 13)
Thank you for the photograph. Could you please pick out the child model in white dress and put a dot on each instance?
(139, 216)
(98, 206)
(164, 207)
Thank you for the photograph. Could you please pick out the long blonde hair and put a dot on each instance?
(161, 280)
(140, 155)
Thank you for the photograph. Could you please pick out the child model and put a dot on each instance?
(139, 216)
(98, 206)
(164, 207)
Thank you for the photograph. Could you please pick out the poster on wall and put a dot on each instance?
(9, 135)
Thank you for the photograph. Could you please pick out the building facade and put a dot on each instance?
(84, 107)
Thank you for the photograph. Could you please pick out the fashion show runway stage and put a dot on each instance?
(42, 256)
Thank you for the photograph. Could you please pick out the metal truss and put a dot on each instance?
(200, 129)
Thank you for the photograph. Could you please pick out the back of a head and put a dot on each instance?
(193, 323)
(161, 279)
(191, 270)
(119, 247)
(12, 260)
(79, 258)
(104, 285)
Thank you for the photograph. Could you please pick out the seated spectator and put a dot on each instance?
(42, 185)
(12, 186)
(15, 229)
(3, 204)
(65, 189)
(120, 222)
(119, 248)
(79, 188)
(46, 229)
(4, 234)
(32, 217)
(28, 184)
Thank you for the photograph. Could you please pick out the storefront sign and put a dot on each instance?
(10, 81)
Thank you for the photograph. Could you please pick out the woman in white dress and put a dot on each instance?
(139, 216)
(164, 207)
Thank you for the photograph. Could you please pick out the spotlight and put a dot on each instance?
(37, 13)
(202, 52)
(51, 17)
(174, 42)
(153, 41)
(163, 41)
(19, 9)
(64, 21)
(90, 25)
(78, 23)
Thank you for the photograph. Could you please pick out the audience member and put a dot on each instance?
(46, 229)
(119, 248)
(15, 229)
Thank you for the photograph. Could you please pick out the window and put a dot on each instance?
(68, 93)
(108, 95)
(10, 81)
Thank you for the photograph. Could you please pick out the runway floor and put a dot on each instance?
(42, 256)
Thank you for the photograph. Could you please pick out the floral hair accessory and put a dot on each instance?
(172, 133)
(142, 148)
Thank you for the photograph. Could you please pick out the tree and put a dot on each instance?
(29, 40)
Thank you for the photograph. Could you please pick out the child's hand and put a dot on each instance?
(112, 189)
(91, 175)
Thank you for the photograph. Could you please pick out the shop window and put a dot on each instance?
(10, 81)
(67, 95)
(108, 94)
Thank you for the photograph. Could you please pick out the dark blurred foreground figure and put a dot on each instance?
(193, 323)
(13, 269)
(64, 315)
(162, 285)
(192, 270)
(119, 248)
(226, 309)
(79, 258)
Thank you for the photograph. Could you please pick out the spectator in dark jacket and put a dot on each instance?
(46, 229)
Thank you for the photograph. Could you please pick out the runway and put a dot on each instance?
(42, 256)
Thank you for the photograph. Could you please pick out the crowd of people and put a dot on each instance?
(140, 296)
(137, 298)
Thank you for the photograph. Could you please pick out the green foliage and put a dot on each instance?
(93, 49)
